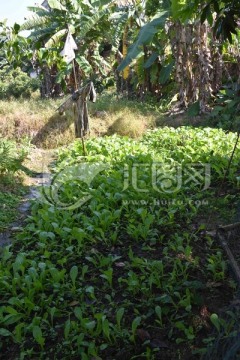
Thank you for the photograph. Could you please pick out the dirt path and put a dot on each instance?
(37, 174)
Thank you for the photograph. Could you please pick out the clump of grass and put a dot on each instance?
(122, 116)
(128, 125)
(11, 188)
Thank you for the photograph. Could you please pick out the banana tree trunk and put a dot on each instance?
(198, 67)
(49, 87)
(46, 84)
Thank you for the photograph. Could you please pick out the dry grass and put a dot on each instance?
(110, 115)
(22, 118)
(38, 121)
(128, 125)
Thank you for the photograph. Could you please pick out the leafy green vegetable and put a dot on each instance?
(125, 265)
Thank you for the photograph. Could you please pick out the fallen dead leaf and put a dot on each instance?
(205, 314)
(212, 284)
(74, 303)
(120, 264)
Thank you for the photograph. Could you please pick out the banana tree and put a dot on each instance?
(147, 54)
(141, 64)
(15, 49)
(87, 21)
(195, 51)
(222, 15)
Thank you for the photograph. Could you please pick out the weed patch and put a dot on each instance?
(12, 157)
(8, 209)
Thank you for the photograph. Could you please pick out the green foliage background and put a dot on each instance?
(16, 84)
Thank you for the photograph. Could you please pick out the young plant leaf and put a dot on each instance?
(215, 321)
(67, 328)
(5, 332)
(73, 274)
(119, 316)
(37, 334)
(158, 311)
(136, 322)
(106, 328)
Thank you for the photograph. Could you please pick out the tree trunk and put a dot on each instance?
(46, 85)
(198, 65)
(49, 87)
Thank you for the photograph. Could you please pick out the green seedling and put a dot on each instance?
(135, 324)
(128, 242)
(108, 275)
(38, 336)
(158, 311)
(217, 266)
(119, 317)
(73, 275)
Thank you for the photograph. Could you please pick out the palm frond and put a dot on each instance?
(118, 20)
(55, 4)
(85, 66)
(41, 11)
(43, 34)
(56, 38)
(34, 22)
(145, 36)
(90, 22)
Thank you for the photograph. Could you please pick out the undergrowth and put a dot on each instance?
(8, 208)
(12, 156)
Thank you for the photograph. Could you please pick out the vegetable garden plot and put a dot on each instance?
(128, 274)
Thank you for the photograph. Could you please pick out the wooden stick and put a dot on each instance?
(75, 76)
(84, 147)
(231, 258)
(231, 158)
(76, 87)
(65, 105)
(229, 227)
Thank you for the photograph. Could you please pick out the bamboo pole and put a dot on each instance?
(76, 88)
(75, 76)
(229, 254)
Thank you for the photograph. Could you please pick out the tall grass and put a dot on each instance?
(38, 120)
(24, 118)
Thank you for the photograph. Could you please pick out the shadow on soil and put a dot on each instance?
(55, 128)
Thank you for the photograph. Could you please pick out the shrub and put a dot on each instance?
(11, 157)
(15, 83)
